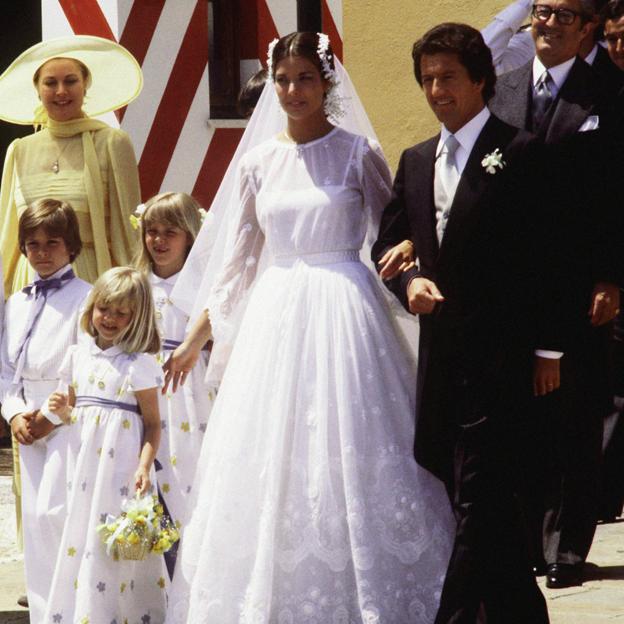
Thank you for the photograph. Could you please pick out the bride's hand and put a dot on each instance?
(179, 365)
(396, 260)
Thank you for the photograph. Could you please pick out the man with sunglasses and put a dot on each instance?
(562, 99)
(512, 43)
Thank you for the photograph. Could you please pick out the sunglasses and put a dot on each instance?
(565, 17)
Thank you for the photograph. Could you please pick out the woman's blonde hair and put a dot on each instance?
(177, 209)
(84, 70)
(125, 286)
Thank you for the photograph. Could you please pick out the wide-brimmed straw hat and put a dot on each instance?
(116, 77)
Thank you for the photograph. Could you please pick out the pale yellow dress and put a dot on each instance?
(97, 175)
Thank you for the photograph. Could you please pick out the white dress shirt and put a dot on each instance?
(591, 57)
(467, 136)
(55, 330)
(558, 73)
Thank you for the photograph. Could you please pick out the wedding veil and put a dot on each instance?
(208, 253)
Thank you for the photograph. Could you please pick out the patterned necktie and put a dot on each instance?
(542, 99)
(445, 184)
(41, 289)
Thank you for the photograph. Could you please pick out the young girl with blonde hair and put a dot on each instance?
(108, 391)
(40, 324)
(169, 224)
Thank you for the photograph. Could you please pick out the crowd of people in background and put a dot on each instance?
(324, 457)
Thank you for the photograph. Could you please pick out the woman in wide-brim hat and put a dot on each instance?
(58, 86)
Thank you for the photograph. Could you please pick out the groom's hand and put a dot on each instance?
(605, 304)
(422, 296)
(546, 376)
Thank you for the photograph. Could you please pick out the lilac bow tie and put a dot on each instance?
(44, 285)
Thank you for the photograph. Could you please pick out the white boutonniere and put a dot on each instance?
(493, 161)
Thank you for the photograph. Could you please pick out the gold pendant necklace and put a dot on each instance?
(55, 165)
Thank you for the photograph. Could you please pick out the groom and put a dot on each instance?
(481, 287)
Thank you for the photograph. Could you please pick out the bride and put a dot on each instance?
(308, 504)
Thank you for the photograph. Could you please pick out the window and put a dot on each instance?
(223, 57)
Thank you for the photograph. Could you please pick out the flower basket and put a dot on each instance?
(140, 528)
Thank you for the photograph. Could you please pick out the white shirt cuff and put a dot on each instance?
(550, 355)
(12, 406)
(51, 416)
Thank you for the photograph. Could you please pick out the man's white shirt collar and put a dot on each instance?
(558, 73)
(591, 57)
(467, 136)
(58, 273)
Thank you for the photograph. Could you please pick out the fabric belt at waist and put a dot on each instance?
(322, 257)
(172, 345)
(84, 401)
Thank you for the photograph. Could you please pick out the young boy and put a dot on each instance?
(40, 323)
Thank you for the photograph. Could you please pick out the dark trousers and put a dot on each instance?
(490, 565)
(564, 489)
(612, 482)
(612, 492)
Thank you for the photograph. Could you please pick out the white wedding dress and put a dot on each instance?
(308, 505)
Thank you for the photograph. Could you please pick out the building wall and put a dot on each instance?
(378, 38)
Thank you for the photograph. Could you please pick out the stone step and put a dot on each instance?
(6, 462)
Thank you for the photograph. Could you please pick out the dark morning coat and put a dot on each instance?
(476, 349)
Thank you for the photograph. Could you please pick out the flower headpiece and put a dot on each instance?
(137, 215)
(333, 102)
(270, 56)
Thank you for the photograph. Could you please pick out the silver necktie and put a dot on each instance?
(445, 184)
(542, 99)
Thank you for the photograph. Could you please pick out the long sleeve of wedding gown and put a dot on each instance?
(376, 183)
(245, 241)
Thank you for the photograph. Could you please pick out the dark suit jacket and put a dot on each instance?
(476, 350)
(582, 171)
(610, 74)
(581, 95)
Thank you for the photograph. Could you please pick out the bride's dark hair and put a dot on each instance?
(303, 44)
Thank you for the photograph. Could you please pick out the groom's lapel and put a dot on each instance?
(424, 173)
(472, 184)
